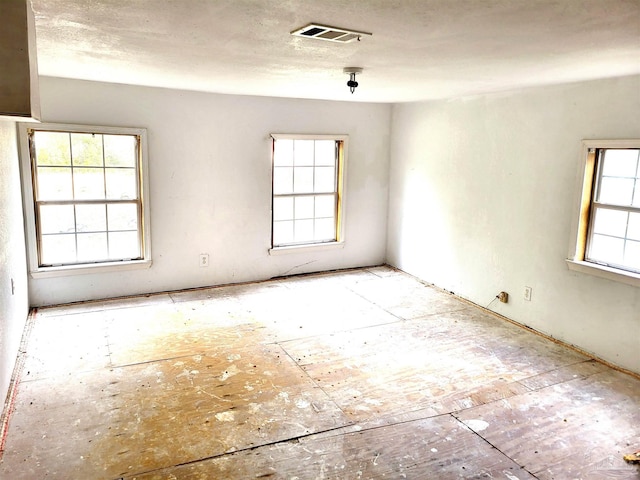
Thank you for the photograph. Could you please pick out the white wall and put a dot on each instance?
(209, 165)
(13, 306)
(482, 195)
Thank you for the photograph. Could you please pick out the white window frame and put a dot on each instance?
(37, 271)
(586, 180)
(341, 192)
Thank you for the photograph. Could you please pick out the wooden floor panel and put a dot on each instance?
(147, 416)
(412, 450)
(406, 297)
(576, 429)
(441, 362)
(361, 374)
(139, 336)
(82, 346)
(305, 309)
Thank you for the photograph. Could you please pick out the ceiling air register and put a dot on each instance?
(330, 34)
(337, 35)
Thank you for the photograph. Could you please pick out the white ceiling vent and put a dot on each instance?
(331, 34)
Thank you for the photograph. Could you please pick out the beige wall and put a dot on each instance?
(210, 183)
(482, 197)
(13, 306)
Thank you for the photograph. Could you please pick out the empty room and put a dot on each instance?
(320, 239)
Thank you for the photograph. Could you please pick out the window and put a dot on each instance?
(608, 231)
(85, 197)
(307, 190)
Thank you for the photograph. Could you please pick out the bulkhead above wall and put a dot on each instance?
(19, 97)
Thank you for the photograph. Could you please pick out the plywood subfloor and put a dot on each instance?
(362, 374)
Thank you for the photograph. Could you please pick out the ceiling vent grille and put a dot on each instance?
(331, 34)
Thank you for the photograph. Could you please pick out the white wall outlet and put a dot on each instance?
(527, 294)
(204, 259)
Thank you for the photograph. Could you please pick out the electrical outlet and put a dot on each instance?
(527, 293)
(503, 297)
(204, 259)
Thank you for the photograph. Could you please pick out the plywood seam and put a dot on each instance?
(493, 446)
(295, 439)
(579, 376)
(400, 319)
(134, 364)
(364, 327)
(385, 422)
(313, 381)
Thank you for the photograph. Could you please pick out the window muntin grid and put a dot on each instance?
(614, 222)
(306, 193)
(87, 197)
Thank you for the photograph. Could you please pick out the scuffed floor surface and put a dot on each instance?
(360, 374)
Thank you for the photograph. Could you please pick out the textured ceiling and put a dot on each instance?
(419, 50)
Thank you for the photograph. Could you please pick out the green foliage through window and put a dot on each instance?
(88, 206)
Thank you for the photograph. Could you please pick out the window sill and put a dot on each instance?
(601, 271)
(312, 247)
(50, 272)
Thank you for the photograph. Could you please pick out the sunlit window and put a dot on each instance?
(87, 196)
(306, 189)
(614, 226)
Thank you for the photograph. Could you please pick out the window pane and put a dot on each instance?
(325, 206)
(57, 249)
(606, 249)
(303, 180)
(88, 183)
(633, 229)
(123, 216)
(56, 219)
(124, 245)
(86, 149)
(325, 152)
(303, 152)
(616, 191)
(121, 183)
(282, 180)
(632, 255)
(620, 163)
(92, 247)
(610, 222)
(305, 193)
(119, 150)
(70, 170)
(283, 153)
(325, 229)
(52, 148)
(283, 208)
(54, 183)
(282, 232)
(91, 218)
(325, 179)
(304, 207)
(303, 230)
